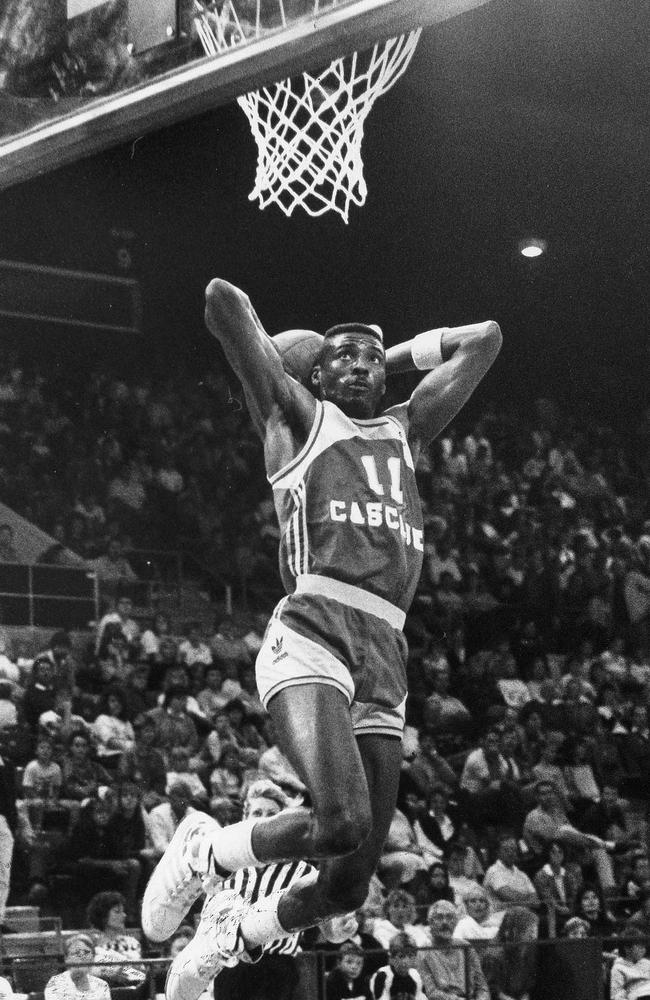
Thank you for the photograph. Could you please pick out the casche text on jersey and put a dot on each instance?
(374, 515)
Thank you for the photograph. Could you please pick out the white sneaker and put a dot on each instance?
(176, 882)
(216, 944)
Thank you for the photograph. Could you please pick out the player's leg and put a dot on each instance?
(231, 929)
(315, 733)
(342, 885)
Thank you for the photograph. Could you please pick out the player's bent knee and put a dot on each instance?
(346, 898)
(334, 837)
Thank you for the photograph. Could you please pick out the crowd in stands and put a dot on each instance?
(525, 787)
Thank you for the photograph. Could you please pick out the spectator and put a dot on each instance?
(576, 928)
(132, 821)
(460, 882)
(121, 616)
(139, 699)
(638, 880)
(210, 698)
(145, 765)
(511, 967)
(493, 796)
(40, 693)
(547, 768)
(399, 915)
(106, 915)
(579, 777)
(400, 978)
(640, 918)
(505, 883)
(193, 651)
(8, 710)
(179, 770)
(8, 824)
(230, 650)
(42, 777)
(345, 981)
(630, 972)
(436, 887)
(606, 819)
(97, 854)
(114, 734)
(434, 821)
(77, 982)
(429, 769)
(164, 818)
(83, 777)
(9, 671)
(548, 821)
(589, 906)
(446, 714)
(449, 971)
(152, 637)
(556, 887)
(476, 924)
(227, 778)
(113, 568)
(173, 724)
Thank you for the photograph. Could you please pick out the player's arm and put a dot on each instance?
(269, 391)
(457, 358)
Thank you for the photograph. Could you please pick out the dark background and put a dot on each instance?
(524, 117)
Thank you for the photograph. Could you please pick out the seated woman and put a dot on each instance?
(77, 982)
(630, 973)
(556, 887)
(106, 916)
(114, 734)
(399, 915)
(590, 907)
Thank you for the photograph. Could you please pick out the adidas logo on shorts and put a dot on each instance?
(276, 649)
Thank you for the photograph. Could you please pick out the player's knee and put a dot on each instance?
(341, 834)
(345, 896)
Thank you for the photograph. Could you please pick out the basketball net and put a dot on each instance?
(309, 129)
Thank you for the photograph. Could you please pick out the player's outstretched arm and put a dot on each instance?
(458, 358)
(231, 318)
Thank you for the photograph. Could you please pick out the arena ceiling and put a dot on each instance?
(522, 118)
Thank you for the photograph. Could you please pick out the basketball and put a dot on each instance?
(298, 350)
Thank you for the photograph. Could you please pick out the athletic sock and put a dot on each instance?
(260, 924)
(229, 848)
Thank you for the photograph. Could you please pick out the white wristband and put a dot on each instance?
(426, 349)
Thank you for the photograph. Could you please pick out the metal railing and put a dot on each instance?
(563, 969)
(40, 595)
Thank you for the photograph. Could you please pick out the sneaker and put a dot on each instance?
(176, 882)
(216, 944)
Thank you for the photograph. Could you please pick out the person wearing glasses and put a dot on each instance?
(78, 982)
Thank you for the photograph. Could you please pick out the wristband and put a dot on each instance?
(426, 349)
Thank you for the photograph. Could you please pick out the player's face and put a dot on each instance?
(352, 374)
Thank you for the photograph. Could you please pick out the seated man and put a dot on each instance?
(505, 883)
(548, 821)
(448, 971)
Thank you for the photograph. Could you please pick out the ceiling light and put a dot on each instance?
(532, 247)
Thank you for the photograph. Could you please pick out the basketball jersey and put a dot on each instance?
(349, 508)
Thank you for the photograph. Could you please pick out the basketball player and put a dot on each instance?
(331, 671)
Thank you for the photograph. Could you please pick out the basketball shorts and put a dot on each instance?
(313, 639)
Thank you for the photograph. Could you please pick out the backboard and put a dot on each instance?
(79, 76)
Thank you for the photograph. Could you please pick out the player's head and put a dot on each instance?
(350, 369)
